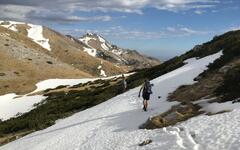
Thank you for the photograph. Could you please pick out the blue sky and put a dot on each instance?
(160, 28)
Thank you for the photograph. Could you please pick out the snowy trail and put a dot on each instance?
(218, 132)
(114, 123)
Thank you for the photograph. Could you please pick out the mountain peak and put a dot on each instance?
(95, 41)
(115, 54)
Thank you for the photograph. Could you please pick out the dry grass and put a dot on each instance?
(176, 114)
(23, 67)
(24, 63)
(71, 52)
(205, 87)
(11, 137)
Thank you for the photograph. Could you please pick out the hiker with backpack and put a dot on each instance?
(146, 91)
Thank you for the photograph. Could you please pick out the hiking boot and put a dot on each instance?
(144, 108)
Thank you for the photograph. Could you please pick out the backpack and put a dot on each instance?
(147, 87)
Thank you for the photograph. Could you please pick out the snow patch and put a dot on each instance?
(99, 67)
(104, 46)
(35, 33)
(12, 104)
(101, 39)
(53, 83)
(90, 51)
(12, 25)
(117, 52)
(218, 107)
(102, 73)
(86, 39)
(13, 28)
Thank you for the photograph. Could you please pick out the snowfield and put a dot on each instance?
(12, 104)
(218, 107)
(35, 33)
(53, 83)
(90, 51)
(114, 123)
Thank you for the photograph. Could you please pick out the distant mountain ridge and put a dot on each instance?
(101, 48)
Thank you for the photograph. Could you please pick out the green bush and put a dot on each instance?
(230, 89)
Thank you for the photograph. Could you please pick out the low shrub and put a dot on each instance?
(230, 89)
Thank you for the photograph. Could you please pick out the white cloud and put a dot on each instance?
(25, 8)
(15, 12)
(122, 33)
(70, 19)
(31, 13)
(199, 12)
(185, 31)
(182, 5)
(170, 29)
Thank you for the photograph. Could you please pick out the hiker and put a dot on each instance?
(146, 91)
(124, 84)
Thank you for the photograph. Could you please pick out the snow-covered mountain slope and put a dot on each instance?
(114, 123)
(101, 48)
(97, 42)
